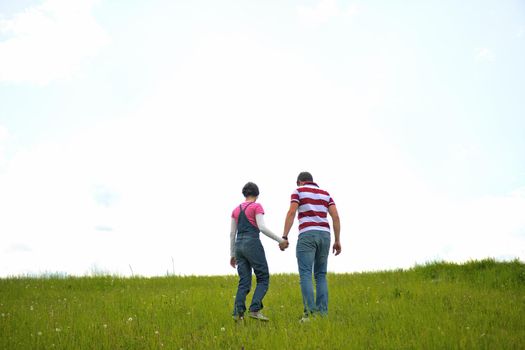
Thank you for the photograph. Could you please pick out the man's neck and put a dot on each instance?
(306, 183)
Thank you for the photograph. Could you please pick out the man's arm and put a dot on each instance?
(332, 210)
(290, 217)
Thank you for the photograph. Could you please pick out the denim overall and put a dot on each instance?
(249, 253)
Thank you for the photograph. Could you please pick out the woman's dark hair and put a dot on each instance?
(305, 176)
(250, 190)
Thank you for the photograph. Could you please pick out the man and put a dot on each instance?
(313, 244)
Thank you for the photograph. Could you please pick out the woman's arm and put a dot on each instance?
(233, 231)
(259, 218)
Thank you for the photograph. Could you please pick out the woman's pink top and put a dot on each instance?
(251, 212)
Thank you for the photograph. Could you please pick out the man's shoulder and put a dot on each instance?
(312, 189)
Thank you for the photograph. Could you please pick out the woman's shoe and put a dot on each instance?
(238, 318)
(258, 316)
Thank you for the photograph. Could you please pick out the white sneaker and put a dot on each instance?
(307, 317)
(259, 316)
(238, 318)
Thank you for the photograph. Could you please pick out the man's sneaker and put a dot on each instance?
(259, 316)
(307, 317)
(238, 318)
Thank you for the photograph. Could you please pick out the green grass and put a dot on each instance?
(478, 305)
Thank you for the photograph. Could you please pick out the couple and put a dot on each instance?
(313, 246)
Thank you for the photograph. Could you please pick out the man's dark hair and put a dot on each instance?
(250, 190)
(305, 176)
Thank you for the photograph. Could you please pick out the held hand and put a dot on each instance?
(337, 248)
(233, 262)
(283, 245)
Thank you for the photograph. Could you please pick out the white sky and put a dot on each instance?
(127, 130)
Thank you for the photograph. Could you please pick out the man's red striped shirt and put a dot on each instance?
(313, 207)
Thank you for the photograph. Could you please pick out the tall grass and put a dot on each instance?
(478, 305)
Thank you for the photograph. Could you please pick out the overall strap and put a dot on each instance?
(244, 226)
(243, 210)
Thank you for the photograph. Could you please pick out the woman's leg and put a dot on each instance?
(260, 268)
(245, 283)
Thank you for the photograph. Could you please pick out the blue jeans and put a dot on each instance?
(249, 253)
(312, 252)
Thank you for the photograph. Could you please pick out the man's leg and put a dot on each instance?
(320, 269)
(305, 253)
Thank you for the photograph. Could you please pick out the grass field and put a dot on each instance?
(478, 305)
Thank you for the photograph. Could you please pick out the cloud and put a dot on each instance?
(399, 231)
(324, 11)
(484, 55)
(103, 228)
(4, 133)
(518, 192)
(162, 160)
(49, 42)
(4, 137)
(462, 153)
(19, 248)
(481, 227)
(104, 196)
(132, 190)
(390, 217)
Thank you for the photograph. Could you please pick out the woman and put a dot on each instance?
(247, 253)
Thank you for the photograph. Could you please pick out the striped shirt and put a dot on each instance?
(313, 207)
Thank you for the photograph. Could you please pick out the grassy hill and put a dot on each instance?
(477, 305)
